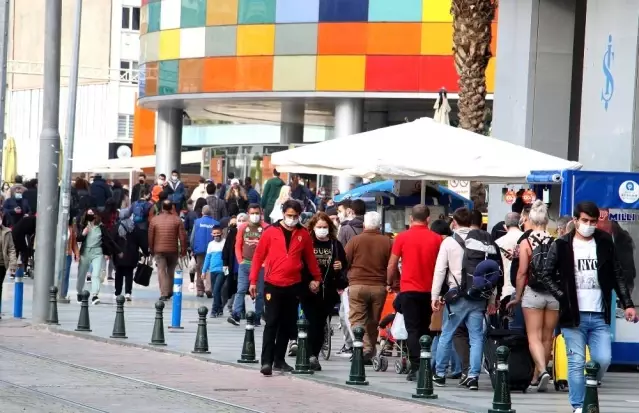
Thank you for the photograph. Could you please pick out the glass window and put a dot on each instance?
(135, 19)
(126, 17)
(125, 126)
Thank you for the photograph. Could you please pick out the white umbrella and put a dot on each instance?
(420, 150)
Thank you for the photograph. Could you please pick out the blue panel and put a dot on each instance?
(619, 190)
(141, 81)
(395, 10)
(625, 353)
(297, 11)
(343, 10)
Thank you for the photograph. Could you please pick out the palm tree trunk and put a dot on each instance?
(472, 35)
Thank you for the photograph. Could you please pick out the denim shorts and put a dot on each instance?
(538, 300)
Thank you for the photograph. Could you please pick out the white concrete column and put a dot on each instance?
(532, 81)
(168, 151)
(292, 123)
(349, 120)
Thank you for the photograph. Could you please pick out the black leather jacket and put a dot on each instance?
(559, 277)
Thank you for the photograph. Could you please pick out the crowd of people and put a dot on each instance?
(290, 249)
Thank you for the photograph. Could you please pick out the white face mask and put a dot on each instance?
(321, 232)
(255, 218)
(586, 230)
(341, 216)
(174, 177)
(291, 222)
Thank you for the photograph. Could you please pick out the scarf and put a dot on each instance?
(126, 223)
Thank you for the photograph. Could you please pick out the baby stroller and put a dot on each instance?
(390, 343)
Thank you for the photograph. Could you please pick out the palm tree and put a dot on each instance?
(472, 35)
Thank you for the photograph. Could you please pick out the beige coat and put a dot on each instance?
(8, 250)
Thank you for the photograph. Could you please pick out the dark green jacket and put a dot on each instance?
(271, 192)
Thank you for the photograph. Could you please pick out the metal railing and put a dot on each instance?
(85, 73)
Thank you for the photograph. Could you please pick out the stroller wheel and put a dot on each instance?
(384, 361)
(377, 364)
(399, 367)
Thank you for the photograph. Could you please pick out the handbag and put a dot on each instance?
(143, 273)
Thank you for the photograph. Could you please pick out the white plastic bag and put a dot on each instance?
(398, 329)
(192, 265)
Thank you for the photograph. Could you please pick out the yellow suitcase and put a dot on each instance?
(560, 363)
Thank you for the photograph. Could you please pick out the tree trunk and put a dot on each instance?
(472, 35)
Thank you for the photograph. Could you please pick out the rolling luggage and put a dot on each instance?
(560, 363)
(520, 363)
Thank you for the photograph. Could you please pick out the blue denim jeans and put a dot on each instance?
(454, 362)
(471, 313)
(217, 281)
(64, 286)
(594, 332)
(242, 290)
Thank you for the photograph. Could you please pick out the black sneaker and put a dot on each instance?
(456, 376)
(283, 367)
(79, 299)
(209, 294)
(473, 383)
(463, 381)
(266, 370)
(233, 320)
(213, 315)
(95, 300)
(438, 380)
(315, 364)
(345, 351)
(163, 298)
(412, 375)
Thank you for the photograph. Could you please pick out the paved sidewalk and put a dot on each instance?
(618, 393)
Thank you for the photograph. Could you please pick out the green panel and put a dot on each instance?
(155, 10)
(193, 13)
(168, 74)
(257, 11)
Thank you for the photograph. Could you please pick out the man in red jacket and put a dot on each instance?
(284, 249)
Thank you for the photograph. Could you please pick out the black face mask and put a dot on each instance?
(233, 226)
(90, 218)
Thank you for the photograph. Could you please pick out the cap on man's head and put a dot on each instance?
(235, 181)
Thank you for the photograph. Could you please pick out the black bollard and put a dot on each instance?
(357, 376)
(52, 318)
(84, 324)
(119, 330)
(157, 339)
(591, 398)
(202, 336)
(248, 348)
(425, 375)
(302, 363)
(501, 398)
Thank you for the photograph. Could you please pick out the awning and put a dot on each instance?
(148, 161)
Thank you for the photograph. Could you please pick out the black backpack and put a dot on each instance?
(539, 253)
(481, 269)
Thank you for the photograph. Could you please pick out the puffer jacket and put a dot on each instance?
(558, 277)
(165, 231)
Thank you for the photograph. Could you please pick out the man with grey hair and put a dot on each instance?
(368, 254)
(562, 225)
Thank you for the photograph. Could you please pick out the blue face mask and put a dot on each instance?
(18, 195)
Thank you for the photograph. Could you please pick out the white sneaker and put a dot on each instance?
(192, 287)
(577, 410)
(127, 297)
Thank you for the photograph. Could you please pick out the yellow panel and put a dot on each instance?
(436, 11)
(256, 40)
(341, 73)
(490, 75)
(437, 39)
(170, 44)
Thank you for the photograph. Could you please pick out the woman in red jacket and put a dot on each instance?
(284, 249)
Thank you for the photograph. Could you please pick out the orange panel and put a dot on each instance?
(342, 38)
(493, 43)
(151, 88)
(143, 131)
(254, 73)
(219, 74)
(394, 39)
(190, 75)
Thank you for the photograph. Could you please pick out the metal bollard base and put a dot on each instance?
(177, 328)
(424, 396)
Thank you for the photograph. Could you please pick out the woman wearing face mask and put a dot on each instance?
(285, 195)
(541, 309)
(96, 244)
(236, 198)
(331, 258)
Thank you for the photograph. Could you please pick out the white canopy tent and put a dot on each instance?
(140, 162)
(420, 150)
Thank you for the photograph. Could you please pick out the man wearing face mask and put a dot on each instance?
(588, 271)
(178, 195)
(137, 188)
(15, 208)
(246, 241)
(285, 249)
(167, 241)
(351, 217)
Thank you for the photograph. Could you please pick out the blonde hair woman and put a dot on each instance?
(285, 195)
(541, 309)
